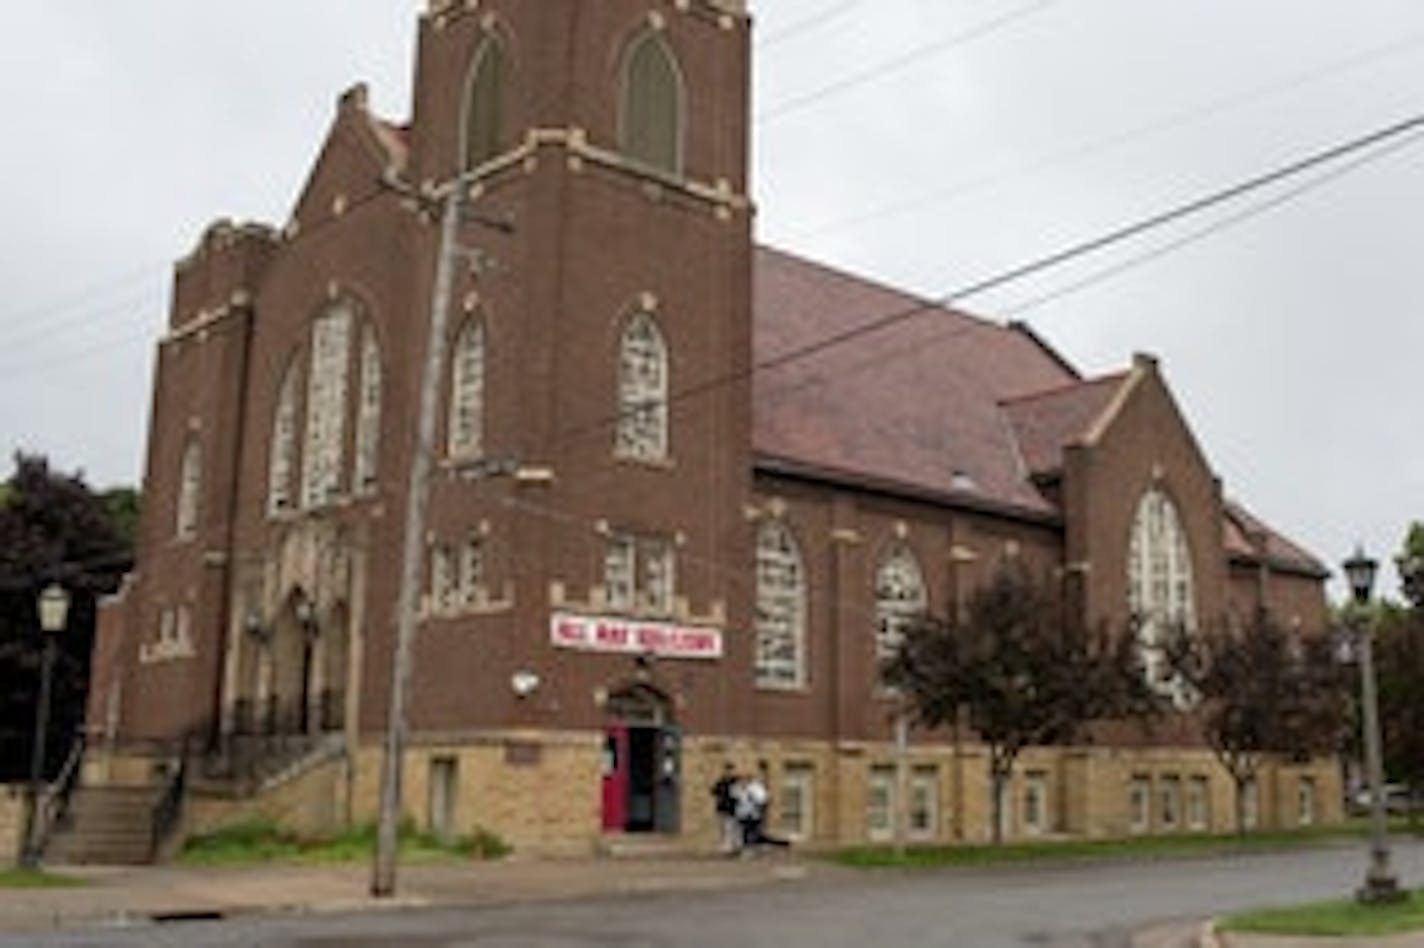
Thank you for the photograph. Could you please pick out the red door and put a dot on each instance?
(615, 779)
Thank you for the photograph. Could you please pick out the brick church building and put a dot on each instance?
(670, 523)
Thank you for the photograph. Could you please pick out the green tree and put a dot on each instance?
(53, 528)
(1410, 564)
(1024, 671)
(123, 506)
(1399, 637)
(1258, 691)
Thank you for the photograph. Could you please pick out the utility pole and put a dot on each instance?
(902, 782)
(383, 879)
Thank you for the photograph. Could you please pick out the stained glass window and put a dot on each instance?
(642, 428)
(780, 607)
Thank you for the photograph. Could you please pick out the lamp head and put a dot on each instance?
(523, 683)
(54, 608)
(1360, 573)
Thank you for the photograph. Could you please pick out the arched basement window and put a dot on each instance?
(652, 124)
(484, 105)
(899, 598)
(642, 429)
(465, 437)
(1160, 592)
(780, 608)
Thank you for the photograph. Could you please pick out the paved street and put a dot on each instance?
(1084, 905)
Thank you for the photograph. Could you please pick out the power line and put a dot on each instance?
(1201, 233)
(808, 24)
(797, 103)
(743, 575)
(1086, 149)
(84, 295)
(1039, 265)
(85, 319)
(143, 334)
(922, 345)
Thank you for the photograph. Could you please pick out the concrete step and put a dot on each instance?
(647, 846)
(105, 826)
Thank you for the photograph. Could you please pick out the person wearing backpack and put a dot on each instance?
(724, 798)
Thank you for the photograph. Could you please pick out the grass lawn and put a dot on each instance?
(262, 842)
(1138, 847)
(1340, 917)
(34, 879)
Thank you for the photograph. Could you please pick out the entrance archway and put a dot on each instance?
(642, 762)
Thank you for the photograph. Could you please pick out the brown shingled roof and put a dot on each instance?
(1045, 422)
(915, 404)
(939, 403)
(1248, 538)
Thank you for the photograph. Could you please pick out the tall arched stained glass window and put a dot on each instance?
(484, 105)
(368, 415)
(652, 124)
(465, 435)
(642, 428)
(1160, 592)
(780, 608)
(282, 453)
(900, 597)
(190, 486)
(327, 406)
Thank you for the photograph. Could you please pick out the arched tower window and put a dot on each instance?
(642, 429)
(780, 608)
(899, 598)
(282, 456)
(652, 124)
(484, 104)
(326, 406)
(368, 414)
(190, 485)
(1160, 592)
(465, 436)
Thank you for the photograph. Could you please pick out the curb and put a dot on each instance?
(1208, 937)
(174, 916)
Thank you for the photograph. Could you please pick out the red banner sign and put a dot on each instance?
(629, 637)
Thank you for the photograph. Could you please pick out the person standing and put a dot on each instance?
(758, 793)
(724, 797)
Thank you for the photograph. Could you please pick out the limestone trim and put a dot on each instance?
(1119, 400)
(575, 143)
(206, 319)
(481, 604)
(726, 14)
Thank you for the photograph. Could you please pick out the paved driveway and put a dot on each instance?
(1065, 905)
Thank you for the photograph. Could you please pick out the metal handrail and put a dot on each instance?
(54, 799)
(169, 808)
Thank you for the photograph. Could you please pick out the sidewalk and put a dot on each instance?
(116, 896)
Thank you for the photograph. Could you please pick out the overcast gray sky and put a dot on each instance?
(929, 143)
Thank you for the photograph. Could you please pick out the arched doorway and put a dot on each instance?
(293, 654)
(335, 649)
(642, 762)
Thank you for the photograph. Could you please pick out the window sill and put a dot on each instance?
(801, 689)
(634, 460)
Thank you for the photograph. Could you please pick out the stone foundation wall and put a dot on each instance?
(541, 791)
(311, 804)
(12, 824)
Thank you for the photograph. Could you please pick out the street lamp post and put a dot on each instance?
(1380, 884)
(54, 614)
